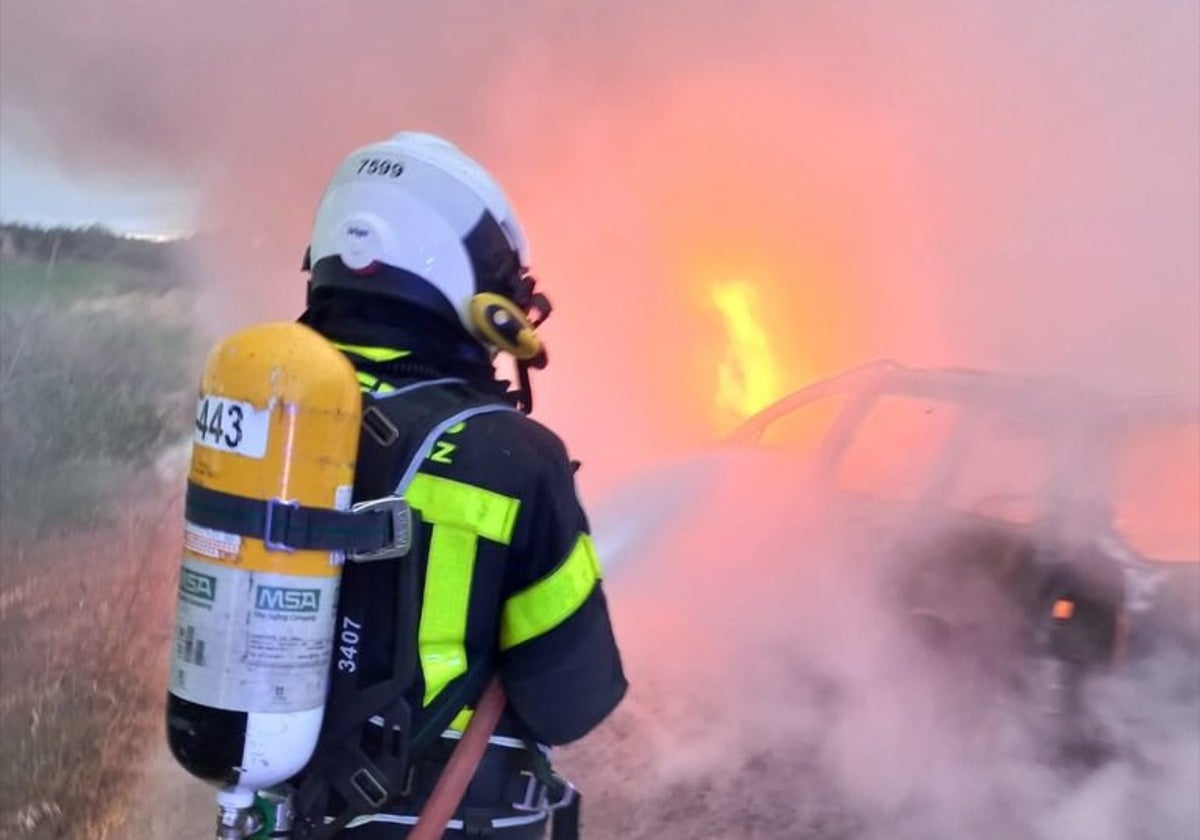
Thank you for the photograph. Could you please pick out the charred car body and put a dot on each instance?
(1050, 526)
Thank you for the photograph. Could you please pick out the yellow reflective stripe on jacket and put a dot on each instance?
(459, 724)
(373, 384)
(444, 501)
(373, 354)
(444, 610)
(552, 600)
(460, 514)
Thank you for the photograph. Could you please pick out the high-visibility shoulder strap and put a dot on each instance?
(399, 431)
(415, 423)
(401, 426)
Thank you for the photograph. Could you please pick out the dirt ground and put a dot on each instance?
(171, 805)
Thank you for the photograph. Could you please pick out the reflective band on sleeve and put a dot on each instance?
(553, 599)
(460, 514)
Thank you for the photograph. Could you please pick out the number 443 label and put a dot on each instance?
(231, 426)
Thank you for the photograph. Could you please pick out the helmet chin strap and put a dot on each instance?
(524, 390)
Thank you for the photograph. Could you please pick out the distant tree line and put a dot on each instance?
(90, 244)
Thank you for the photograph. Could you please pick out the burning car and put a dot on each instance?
(1035, 521)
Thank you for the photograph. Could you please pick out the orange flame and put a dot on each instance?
(748, 376)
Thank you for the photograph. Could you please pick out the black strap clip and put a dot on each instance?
(277, 510)
(545, 793)
(371, 789)
(379, 427)
(400, 541)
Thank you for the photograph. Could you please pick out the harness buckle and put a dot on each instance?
(401, 529)
(566, 794)
(378, 425)
(538, 793)
(284, 506)
(369, 788)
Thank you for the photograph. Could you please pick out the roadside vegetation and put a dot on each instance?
(97, 362)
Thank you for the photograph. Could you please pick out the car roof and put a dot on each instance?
(1056, 398)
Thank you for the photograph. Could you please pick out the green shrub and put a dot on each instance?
(97, 362)
(88, 394)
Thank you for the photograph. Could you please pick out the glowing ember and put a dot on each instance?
(748, 377)
(1063, 609)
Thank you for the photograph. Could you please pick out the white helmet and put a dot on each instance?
(414, 219)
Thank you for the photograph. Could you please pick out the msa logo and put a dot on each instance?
(197, 585)
(281, 599)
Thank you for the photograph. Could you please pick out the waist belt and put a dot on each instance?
(499, 782)
(509, 788)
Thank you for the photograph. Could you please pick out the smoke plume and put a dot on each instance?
(1010, 187)
(779, 688)
(1013, 186)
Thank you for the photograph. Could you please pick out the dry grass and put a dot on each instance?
(86, 623)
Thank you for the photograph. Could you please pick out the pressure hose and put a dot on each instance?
(452, 785)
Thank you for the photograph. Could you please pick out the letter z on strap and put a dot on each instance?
(376, 530)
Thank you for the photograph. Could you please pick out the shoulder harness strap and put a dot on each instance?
(400, 428)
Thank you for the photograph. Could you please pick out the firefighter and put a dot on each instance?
(418, 272)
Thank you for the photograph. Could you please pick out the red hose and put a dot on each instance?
(452, 785)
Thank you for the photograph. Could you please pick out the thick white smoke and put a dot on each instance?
(779, 690)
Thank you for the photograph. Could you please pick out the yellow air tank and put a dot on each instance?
(276, 436)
